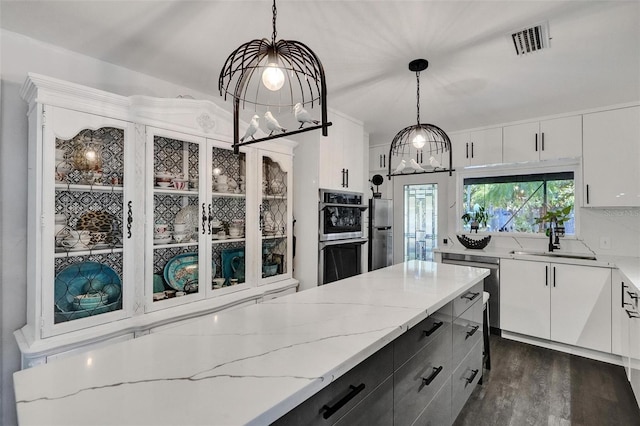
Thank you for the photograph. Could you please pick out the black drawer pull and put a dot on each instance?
(473, 295)
(436, 325)
(354, 390)
(427, 381)
(472, 332)
(632, 314)
(632, 295)
(474, 373)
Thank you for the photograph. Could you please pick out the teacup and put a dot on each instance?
(181, 237)
(215, 223)
(222, 179)
(179, 227)
(77, 239)
(160, 229)
(179, 183)
(234, 232)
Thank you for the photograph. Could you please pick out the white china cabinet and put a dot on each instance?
(141, 214)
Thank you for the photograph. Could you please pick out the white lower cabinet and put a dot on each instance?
(569, 304)
(633, 313)
(620, 320)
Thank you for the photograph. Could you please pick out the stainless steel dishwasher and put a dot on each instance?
(491, 283)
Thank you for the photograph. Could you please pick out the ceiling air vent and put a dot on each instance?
(531, 39)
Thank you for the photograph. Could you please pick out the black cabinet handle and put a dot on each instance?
(622, 287)
(632, 295)
(344, 172)
(209, 219)
(468, 297)
(587, 193)
(632, 314)
(536, 142)
(204, 220)
(542, 142)
(384, 160)
(467, 154)
(436, 325)
(474, 373)
(472, 332)
(554, 276)
(354, 390)
(129, 219)
(426, 381)
(472, 150)
(347, 170)
(546, 276)
(380, 161)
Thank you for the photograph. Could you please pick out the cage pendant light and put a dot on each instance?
(420, 148)
(283, 78)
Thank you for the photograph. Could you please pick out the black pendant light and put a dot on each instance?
(281, 77)
(420, 141)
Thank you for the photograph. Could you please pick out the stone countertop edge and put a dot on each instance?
(278, 354)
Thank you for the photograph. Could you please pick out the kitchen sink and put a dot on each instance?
(555, 254)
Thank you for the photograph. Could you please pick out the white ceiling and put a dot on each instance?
(474, 78)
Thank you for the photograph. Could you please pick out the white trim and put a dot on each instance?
(561, 347)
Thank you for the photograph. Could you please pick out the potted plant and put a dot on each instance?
(557, 217)
(477, 218)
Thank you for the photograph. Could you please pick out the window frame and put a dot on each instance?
(520, 169)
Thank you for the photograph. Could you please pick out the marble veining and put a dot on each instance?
(246, 366)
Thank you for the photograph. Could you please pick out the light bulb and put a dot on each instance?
(273, 77)
(418, 140)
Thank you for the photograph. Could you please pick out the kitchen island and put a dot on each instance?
(248, 366)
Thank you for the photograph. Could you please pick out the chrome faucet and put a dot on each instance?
(553, 244)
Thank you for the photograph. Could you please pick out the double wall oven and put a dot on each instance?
(341, 234)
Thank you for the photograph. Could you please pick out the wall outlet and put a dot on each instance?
(605, 243)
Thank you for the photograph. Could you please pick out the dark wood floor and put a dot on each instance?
(529, 385)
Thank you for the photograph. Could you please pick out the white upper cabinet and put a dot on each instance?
(342, 155)
(611, 158)
(379, 158)
(543, 140)
(477, 148)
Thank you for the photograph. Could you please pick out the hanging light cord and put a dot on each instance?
(417, 96)
(275, 13)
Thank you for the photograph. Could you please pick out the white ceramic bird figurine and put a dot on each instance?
(434, 163)
(400, 167)
(252, 129)
(302, 115)
(415, 166)
(272, 123)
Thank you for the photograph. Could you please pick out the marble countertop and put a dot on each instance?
(246, 366)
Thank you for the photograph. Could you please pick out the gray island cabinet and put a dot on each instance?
(392, 346)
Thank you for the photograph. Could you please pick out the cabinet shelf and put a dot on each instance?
(274, 197)
(227, 240)
(168, 245)
(87, 252)
(88, 188)
(228, 195)
(175, 191)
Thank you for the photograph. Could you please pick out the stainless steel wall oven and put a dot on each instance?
(341, 235)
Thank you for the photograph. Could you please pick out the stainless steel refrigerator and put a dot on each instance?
(380, 233)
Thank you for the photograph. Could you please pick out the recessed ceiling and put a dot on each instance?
(474, 77)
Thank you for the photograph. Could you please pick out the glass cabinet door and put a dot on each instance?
(175, 218)
(227, 215)
(275, 216)
(87, 231)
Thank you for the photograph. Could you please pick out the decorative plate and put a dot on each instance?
(191, 216)
(61, 316)
(96, 221)
(83, 278)
(182, 269)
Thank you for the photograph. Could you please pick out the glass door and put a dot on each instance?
(86, 231)
(275, 216)
(420, 221)
(226, 214)
(175, 228)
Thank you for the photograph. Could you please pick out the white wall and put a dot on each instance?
(20, 55)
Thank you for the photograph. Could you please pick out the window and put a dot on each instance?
(514, 203)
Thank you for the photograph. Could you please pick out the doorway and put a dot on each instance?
(420, 221)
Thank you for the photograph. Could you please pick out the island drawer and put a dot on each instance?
(419, 379)
(467, 331)
(465, 378)
(421, 335)
(438, 412)
(334, 401)
(468, 298)
(375, 409)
